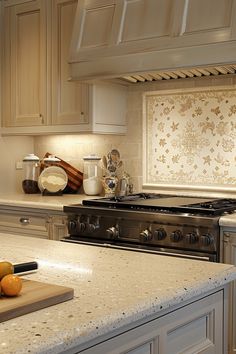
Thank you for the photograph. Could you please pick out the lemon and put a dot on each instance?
(6, 268)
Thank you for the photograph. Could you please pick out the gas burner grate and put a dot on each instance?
(133, 197)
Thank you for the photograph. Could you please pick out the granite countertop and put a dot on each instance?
(113, 288)
(228, 220)
(43, 202)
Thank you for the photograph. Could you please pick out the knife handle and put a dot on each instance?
(25, 267)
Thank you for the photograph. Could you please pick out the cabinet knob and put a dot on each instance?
(24, 221)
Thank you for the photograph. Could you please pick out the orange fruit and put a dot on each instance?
(5, 268)
(11, 285)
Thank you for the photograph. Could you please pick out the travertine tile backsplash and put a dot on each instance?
(190, 137)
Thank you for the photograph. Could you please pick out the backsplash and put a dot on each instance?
(13, 149)
(190, 137)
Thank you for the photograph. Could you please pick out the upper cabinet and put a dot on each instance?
(25, 64)
(38, 96)
(118, 37)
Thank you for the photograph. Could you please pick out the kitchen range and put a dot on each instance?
(165, 224)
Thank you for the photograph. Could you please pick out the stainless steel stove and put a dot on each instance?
(156, 223)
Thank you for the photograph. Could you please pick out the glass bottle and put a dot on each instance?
(92, 175)
(31, 174)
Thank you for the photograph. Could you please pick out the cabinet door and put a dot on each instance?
(25, 73)
(230, 257)
(69, 98)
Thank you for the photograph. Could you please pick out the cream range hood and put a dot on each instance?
(146, 40)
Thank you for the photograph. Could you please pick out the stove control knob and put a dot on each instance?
(206, 240)
(81, 226)
(113, 232)
(192, 237)
(145, 235)
(160, 234)
(176, 236)
(91, 227)
(72, 225)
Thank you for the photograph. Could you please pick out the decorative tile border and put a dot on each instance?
(189, 138)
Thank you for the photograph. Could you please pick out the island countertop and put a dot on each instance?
(112, 288)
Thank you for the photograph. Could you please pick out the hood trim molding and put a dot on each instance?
(161, 60)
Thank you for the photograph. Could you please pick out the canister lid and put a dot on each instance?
(51, 159)
(92, 157)
(31, 157)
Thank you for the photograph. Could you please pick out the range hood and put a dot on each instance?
(147, 40)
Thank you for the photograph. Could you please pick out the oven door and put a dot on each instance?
(210, 257)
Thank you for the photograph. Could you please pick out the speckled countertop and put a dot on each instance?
(228, 220)
(43, 202)
(112, 288)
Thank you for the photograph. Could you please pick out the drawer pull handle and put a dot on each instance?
(24, 221)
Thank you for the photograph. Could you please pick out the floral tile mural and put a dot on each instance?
(190, 137)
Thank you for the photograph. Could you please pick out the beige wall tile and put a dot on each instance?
(13, 149)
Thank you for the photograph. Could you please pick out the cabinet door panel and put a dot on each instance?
(152, 19)
(204, 9)
(94, 21)
(28, 63)
(70, 99)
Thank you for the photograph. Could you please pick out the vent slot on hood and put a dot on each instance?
(181, 73)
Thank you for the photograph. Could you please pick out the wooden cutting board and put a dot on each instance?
(34, 296)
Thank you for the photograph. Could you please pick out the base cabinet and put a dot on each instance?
(38, 223)
(229, 238)
(194, 328)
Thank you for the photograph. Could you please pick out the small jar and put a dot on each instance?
(92, 175)
(31, 174)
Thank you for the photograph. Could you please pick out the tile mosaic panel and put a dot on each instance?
(190, 137)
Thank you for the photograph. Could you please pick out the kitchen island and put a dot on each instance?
(123, 301)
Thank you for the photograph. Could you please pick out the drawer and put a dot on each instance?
(24, 224)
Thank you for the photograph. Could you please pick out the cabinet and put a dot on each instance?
(35, 223)
(25, 62)
(38, 95)
(194, 328)
(147, 35)
(229, 238)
